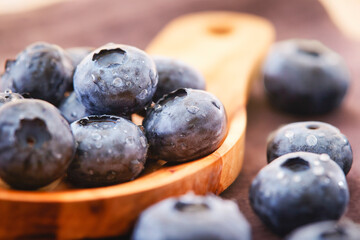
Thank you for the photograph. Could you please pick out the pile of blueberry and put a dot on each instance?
(90, 137)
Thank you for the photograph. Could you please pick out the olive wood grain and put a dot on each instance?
(227, 48)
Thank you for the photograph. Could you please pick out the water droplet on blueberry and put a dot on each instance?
(136, 166)
(318, 170)
(58, 155)
(96, 136)
(117, 82)
(135, 162)
(73, 114)
(280, 175)
(130, 140)
(153, 77)
(311, 140)
(128, 84)
(143, 94)
(325, 180)
(98, 144)
(143, 141)
(297, 178)
(324, 157)
(192, 109)
(289, 135)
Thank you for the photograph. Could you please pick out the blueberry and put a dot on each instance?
(9, 96)
(191, 217)
(311, 136)
(305, 77)
(72, 109)
(327, 230)
(42, 70)
(36, 144)
(184, 125)
(77, 54)
(110, 150)
(297, 189)
(175, 74)
(115, 79)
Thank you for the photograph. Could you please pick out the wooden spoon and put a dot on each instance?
(228, 49)
(345, 14)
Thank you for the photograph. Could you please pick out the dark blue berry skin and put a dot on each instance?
(72, 109)
(175, 74)
(191, 217)
(42, 70)
(115, 79)
(297, 189)
(110, 150)
(327, 230)
(9, 96)
(184, 125)
(311, 136)
(305, 77)
(77, 54)
(36, 144)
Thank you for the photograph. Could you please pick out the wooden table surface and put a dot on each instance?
(136, 22)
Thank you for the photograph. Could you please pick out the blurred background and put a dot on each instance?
(94, 23)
